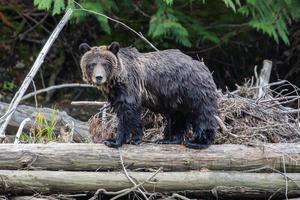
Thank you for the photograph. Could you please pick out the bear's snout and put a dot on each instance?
(99, 79)
(99, 75)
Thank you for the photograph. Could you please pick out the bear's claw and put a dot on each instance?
(112, 143)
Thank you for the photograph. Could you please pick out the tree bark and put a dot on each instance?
(81, 129)
(221, 184)
(92, 157)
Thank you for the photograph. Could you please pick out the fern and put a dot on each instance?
(271, 17)
(169, 2)
(165, 25)
(43, 4)
(58, 6)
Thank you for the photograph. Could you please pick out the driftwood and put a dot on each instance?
(232, 184)
(22, 112)
(264, 77)
(98, 157)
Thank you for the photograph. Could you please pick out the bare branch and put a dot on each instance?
(88, 103)
(55, 87)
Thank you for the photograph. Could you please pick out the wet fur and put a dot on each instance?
(167, 82)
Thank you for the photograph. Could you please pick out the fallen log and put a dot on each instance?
(233, 184)
(92, 157)
(81, 129)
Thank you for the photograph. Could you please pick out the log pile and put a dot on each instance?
(221, 171)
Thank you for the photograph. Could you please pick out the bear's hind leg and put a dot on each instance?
(203, 133)
(176, 129)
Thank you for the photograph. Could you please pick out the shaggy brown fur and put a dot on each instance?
(168, 82)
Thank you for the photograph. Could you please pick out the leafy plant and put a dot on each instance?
(165, 24)
(8, 85)
(43, 132)
(270, 16)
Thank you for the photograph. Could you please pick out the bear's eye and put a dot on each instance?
(106, 63)
(91, 65)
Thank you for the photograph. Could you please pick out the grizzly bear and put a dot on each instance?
(167, 82)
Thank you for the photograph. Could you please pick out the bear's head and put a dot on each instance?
(99, 64)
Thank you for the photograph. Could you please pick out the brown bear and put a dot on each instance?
(167, 82)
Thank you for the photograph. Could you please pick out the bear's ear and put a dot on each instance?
(114, 47)
(84, 47)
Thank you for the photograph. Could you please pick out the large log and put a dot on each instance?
(81, 129)
(232, 184)
(92, 157)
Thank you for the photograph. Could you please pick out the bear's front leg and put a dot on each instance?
(129, 121)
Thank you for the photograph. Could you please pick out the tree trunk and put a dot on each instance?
(92, 157)
(221, 184)
(81, 129)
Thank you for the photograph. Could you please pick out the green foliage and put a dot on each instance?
(169, 2)
(44, 131)
(99, 6)
(165, 24)
(270, 16)
(57, 6)
(9, 86)
(176, 21)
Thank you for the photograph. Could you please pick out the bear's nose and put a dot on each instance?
(99, 78)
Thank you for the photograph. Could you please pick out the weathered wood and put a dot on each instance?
(264, 78)
(81, 129)
(231, 184)
(92, 157)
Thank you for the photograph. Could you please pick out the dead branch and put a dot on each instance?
(54, 87)
(88, 103)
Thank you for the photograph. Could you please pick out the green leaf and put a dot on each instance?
(168, 2)
(230, 4)
(43, 4)
(58, 7)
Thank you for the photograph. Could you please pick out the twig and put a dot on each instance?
(54, 87)
(88, 103)
(38, 62)
(175, 195)
(117, 21)
(137, 186)
(285, 98)
(256, 87)
(221, 124)
(286, 179)
(128, 177)
(290, 111)
(35, 98)
(123, 192)
(20, 130)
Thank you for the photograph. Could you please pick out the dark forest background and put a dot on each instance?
(232, 36)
